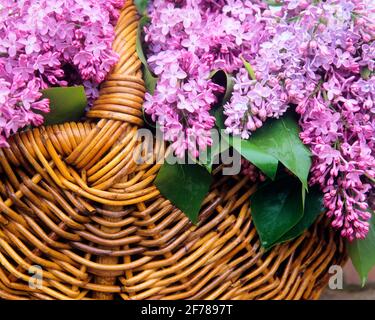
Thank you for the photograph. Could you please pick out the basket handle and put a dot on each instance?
(121, 95)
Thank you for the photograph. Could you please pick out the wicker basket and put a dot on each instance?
(80, 220)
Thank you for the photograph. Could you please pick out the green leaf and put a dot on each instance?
(66, 104)
(362, 252)
(276, 208)
(207, 159)
(142, 22)
(141, 6)
(290, 150)
(219, 116)
(279, 138)
(264, 161)
(221, 77)
(249, 69)
(313, 207)
(150, 80)
(148, 77)
(185, 185)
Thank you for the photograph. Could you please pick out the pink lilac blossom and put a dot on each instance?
(321, 60)
(338, 116)
(51, 43)
(186, 41)
(316, 56)
(252, 102)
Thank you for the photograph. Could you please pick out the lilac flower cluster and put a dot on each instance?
(252, 102)
(320, 59)
(338, 110)
(316, 56)
(187, 40)
(51, 43)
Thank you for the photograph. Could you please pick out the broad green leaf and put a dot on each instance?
(66, 104)
(142, 22)
(207, 158)
(150, 80)
(185, 185)
(279, 138)
(141, 6)
(313, 207)
(276, 208)
(249, 69)
(263, 160)
(266, 162)
(362, 252)
(303, 191)
(219, 116)
(148, 77)
(221, 77)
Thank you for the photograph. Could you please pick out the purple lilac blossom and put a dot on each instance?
(187, 40)
(337, 117)
(316, 61)
(51, 43)
(316, 56)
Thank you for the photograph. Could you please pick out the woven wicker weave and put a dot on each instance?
(74, 203)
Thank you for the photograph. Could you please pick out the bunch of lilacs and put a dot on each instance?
(252, 102)
(321, 59)
(187, 40)
(51, 43)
